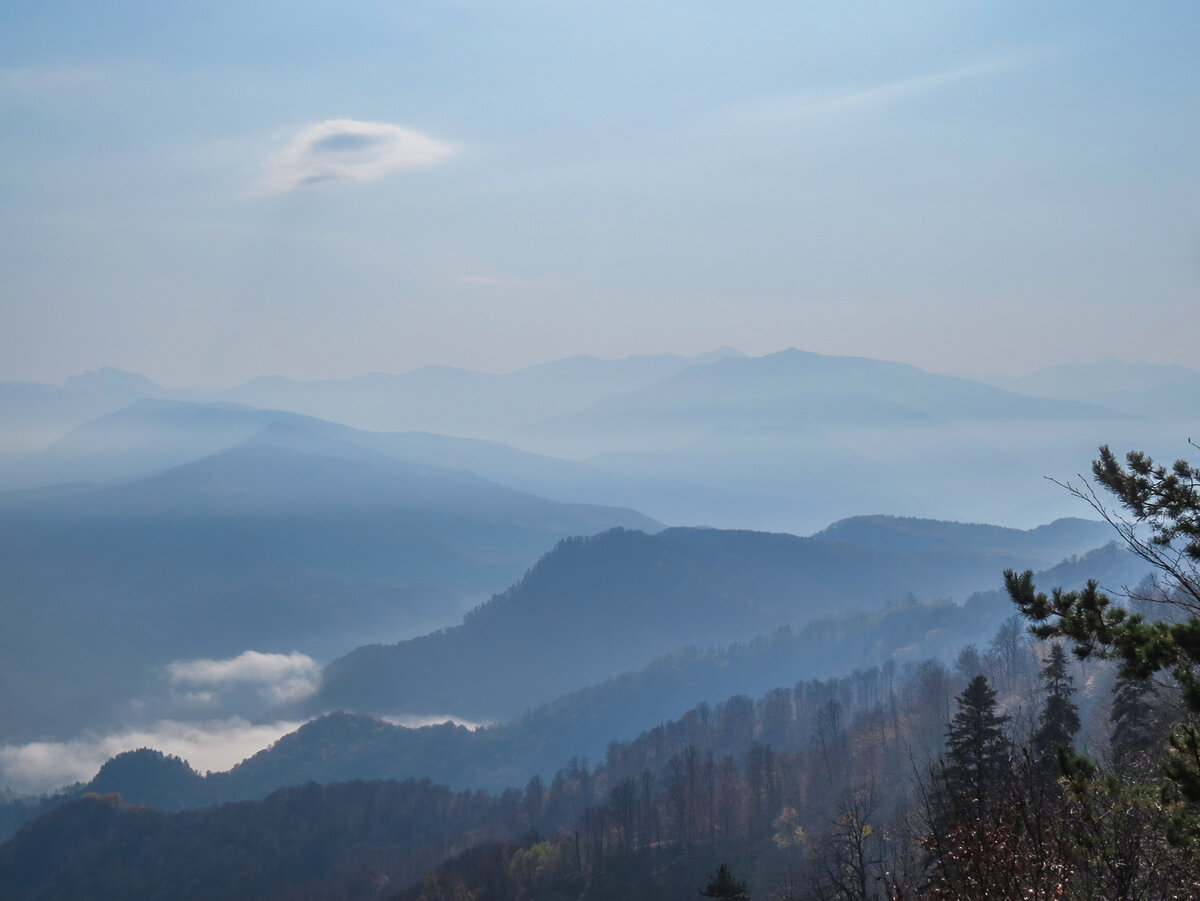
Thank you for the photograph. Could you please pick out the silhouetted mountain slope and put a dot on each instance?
(256, 547)
(595, 607)
(348, 841)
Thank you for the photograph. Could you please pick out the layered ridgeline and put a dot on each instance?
(265, 545)
(433, 398)
(339, 747)
(789, 441)
(596, 607)
(775, 786)
(365, 839)
(153, 435)
(798, 439)
(464, 402)
(33, 414)
(1143, 389)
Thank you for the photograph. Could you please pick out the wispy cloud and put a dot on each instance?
(210, 745)
(279, 677)
(345, 151)
(803, 104)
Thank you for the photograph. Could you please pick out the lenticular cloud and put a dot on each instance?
(347, 151)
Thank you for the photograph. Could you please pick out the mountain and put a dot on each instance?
(1047, 543)
(258, 547)
(1142, 389)
(33, 414)
(796, 440)
(792, 390)
(595, 607)
(790, 441)
(339, 841)
(146, 436)
(340, 747)
(151, 435)
(369, 839)
(568, 481)
(462, 402)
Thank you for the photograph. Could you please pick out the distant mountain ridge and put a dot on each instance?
(789, 441)
(790, 386)
(464, 402)
(1059, 539)
(1143, 389)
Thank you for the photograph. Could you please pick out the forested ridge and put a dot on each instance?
(783, 788)
(594, 607)
(344, 746)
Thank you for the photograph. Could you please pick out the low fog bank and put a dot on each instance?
(207, 745)
(217, 744)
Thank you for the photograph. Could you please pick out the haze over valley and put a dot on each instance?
(184, 560)
(599, 451)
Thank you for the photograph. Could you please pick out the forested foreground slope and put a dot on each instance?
(369, 839)
(341, 746)
(790, 789)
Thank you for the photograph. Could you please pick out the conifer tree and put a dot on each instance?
(1059, 719)
(977, 750)
(723, 885)
(1132, 718)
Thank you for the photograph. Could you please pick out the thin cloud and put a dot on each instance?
(798, 106)
(345, 151)
(279, 677)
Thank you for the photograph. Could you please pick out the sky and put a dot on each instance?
(207, 192)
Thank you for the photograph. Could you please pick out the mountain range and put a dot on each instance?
(257, 547)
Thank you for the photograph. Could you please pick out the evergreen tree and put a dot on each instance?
(1132, 718)
(1059, 719)
(977, 749)
(723, 885)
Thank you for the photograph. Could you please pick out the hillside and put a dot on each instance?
(593, 608)
(147, 436)
(256, 547)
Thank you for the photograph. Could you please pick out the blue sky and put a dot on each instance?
(205, 192)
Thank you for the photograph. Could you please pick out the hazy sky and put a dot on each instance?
(204, 192)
